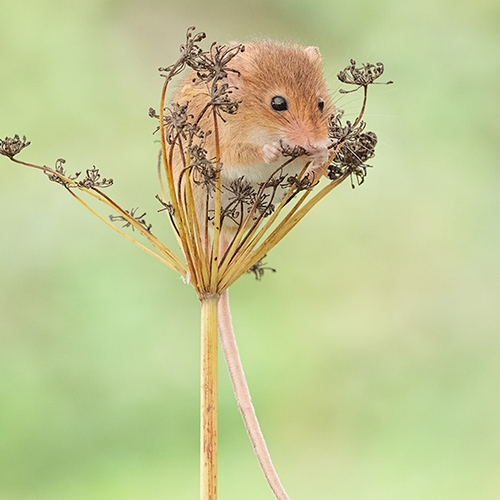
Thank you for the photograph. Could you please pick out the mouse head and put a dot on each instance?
(283, 94)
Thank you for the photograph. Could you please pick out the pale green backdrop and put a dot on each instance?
(373, 354)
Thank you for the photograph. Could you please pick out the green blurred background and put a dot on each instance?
(372, 354)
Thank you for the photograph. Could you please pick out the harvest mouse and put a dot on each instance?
(283, 103)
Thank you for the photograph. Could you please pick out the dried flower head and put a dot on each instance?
(292, 151)
(240, 196)
(352, 156)
(179, 124)
(11, 146)
(127, 223)
(189, 52)
(93, 180)
(167, 206)
(214, 64)
(204, 171)
(259, 268)
(361, 76)
(220, 99)
(60, 176)
(356, 147)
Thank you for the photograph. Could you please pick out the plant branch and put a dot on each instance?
(208, 427)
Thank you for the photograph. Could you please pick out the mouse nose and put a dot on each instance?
(313, 137)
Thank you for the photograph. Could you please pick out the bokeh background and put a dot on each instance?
(373, 354)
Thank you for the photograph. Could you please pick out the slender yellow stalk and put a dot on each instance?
(245, 242)
(290, 221)
(167, 256)
(160, 246)
(172, 264)
(209, 357)
(167, 165)
(217, 215)
(201, 268)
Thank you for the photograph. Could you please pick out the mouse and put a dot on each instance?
(283, 103)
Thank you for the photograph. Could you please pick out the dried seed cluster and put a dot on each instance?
(252, 209)
(11, 146)
(259, 268)
(361, 76)
(356, 148)
(127, 223)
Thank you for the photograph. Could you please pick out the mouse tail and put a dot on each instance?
(242, 393)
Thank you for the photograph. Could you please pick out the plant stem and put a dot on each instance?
(209, 355)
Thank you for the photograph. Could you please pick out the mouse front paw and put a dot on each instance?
(319, 156)
(271, 151)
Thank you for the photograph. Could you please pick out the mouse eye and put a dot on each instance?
(321, 104)
(278, 103)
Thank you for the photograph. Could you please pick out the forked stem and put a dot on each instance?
(209, 358)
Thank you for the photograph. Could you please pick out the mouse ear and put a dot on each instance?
(313, 53)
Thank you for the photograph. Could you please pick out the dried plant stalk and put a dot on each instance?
(214, 261)
(209, 365)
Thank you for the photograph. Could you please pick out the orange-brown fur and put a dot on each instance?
(263, 70)
(266, 69)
